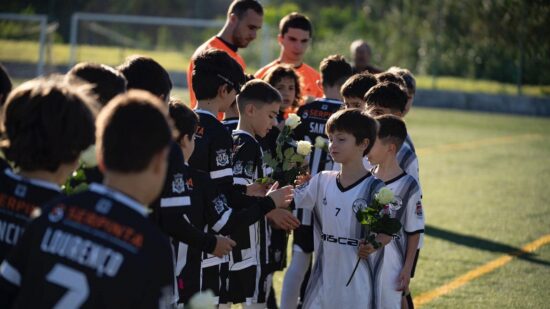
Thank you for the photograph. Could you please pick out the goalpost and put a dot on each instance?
(107, 26)
(43, 24)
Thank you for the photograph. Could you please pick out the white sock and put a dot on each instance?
(293, 279)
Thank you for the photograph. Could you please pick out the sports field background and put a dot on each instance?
(485, 181)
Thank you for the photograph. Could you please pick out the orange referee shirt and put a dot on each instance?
(309, 78)
(213, 43)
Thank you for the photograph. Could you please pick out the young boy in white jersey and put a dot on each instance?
(334, 197)
(400, 254)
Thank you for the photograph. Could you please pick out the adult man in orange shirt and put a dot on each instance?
(295, 33)
(244, 19)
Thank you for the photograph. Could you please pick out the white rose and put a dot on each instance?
(88, 157)
(203, 300)
(303, 148)
(320, 142)
(292, 121)
(384, 196)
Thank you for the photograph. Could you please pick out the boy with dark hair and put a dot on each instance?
(97, 248)
(145, 73)
(335, 70)
(107, 82)
(244, 19)
(48, 124)
(399, 256)
(5, 84)
(5, 88)
(389, 77)
(217, 79)
(295, 34)
(389, 98)
(231, 117)
(249, 276)
(334, 197)
(409, 79)
(190, 203)
(355, 88)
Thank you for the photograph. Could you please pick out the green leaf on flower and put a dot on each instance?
(289, 152)
(297, 158)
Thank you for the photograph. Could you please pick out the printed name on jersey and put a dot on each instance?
(222, 158)
(178, 185)
(238, 168)
(359, 204)
(103, 206)
(83, 251)
(17, 206)
(220, 203)
(419, 211)
(340, 240)
(85, 219)
(10, 232)
(319, 114)
(249, 169)
(318, 128)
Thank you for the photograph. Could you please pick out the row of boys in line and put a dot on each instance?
(214, 163)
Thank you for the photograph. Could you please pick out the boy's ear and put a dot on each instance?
(280, 39)
(365, 144)
(249, 109)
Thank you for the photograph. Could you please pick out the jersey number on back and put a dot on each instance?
(74, 281)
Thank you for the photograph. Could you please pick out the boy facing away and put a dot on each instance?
(48, 124)
(98, 248)
(334, 197)
(400, 254)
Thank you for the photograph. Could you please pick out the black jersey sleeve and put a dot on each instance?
(176, 224)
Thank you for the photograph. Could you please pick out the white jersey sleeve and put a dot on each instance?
(414, 217)
(305, 195)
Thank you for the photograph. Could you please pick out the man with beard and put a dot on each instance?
(244, 19)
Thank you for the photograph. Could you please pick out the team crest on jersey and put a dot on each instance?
(305, 115)
(178, 185)
(419, 211)
(20, 190)
(325, 201)
(222, 159)
(359, 204)
(103, 206)
(238, 168)
(324, 107)
(220, 203)
(249, 169)
(57, 213)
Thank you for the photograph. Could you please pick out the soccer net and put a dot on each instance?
(109, 39)
(26, 44)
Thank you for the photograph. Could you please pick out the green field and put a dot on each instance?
(484, 179)
(27, 51)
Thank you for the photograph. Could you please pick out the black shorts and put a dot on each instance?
(214, 278)
(188, 282)
(242, 285)
(303, 237)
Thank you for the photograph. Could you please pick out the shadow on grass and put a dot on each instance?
(483, 244)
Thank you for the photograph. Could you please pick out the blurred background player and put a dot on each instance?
(295, 35)
(361, 54)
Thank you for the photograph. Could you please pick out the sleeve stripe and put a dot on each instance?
(221, 173)
(10, 273)
(223, 221)
(415, 232)
(240, 181)
(175, 201)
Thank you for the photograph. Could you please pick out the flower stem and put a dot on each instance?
(353, 273)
